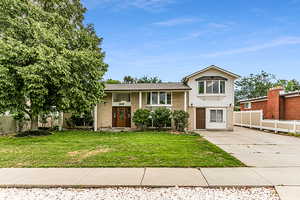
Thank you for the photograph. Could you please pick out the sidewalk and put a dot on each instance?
(151, 177)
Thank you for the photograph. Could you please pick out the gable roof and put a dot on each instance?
(209, 68)
(146, 87)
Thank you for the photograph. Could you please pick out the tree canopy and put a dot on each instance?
(257, 85)
(144, 79)
(48, 58)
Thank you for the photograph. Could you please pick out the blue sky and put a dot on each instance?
(173, 38)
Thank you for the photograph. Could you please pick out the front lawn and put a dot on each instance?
(106, 149)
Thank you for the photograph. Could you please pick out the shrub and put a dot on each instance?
(180, 118)
(141, 118)
(33, 133)
(85, 119)
(161, 117)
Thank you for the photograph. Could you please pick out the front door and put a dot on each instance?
(200, 118)
(121, 116)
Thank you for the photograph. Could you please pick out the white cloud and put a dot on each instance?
(218, 25)
(121, 4)
(177, 21)
(275, 43)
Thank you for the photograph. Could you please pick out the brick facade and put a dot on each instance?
(277, 105)
(292, 108)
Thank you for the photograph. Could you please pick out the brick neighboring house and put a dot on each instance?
(278, 104)
(207, 95)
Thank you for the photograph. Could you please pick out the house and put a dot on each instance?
(207, 95)
(278, 104)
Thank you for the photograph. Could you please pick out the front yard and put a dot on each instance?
(106, 149)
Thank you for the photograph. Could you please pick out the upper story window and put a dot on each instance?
(211, 86)
(159, 98)
(247, 105)
(121, 97)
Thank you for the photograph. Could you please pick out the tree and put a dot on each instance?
(144, 79)
(255, 85)
(161, 117)
(129, 80)
(288, 85)
(180, 118)
(111, 81)
(141, 118)
(49, 60)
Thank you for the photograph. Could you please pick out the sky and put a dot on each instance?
(174, 38)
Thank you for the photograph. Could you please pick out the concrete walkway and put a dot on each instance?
(257, 148)
(154, 177)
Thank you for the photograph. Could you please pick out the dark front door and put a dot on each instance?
(200, 118)
(121, 117)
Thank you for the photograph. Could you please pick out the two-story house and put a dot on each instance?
(207, 95)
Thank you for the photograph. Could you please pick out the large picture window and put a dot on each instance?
(159, 98)
(216, 116)
(211, 87)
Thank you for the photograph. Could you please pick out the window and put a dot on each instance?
(201, 87)
(148, 97)
(159, 98)
(119, 97)
(215, 87)
(162, 98)
(247, 105)
(216, 116)
(211, 87)
(222, 87)
(154, 98)
(169, 97)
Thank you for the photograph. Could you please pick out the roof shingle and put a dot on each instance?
(146, 87)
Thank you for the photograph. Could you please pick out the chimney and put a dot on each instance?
(273, 104)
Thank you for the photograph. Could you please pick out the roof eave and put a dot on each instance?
(208, 68)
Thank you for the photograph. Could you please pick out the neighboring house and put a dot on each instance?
(278, 104)
(207, 95)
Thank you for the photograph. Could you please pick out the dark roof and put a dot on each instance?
(146, 87)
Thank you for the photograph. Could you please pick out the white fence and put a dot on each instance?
(254, 119)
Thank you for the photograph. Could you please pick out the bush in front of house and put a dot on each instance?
(33, 133)
(161, 117)
(141, 118)
(84, 119)
(180, 118)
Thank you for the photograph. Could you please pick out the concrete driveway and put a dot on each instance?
(257, 148)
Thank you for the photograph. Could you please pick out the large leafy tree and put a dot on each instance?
(289, 85)
(49, 60)
(257, 85)
(254, 85)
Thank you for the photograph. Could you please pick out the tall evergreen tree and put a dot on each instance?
(49, 60)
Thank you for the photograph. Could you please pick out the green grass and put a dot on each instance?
(106, 149)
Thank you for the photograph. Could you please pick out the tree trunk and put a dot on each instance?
(34, 123)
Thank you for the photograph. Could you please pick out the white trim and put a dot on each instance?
(158, 98)
(212, 67)
(211, 94)
(140, 100)
(185, 101)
